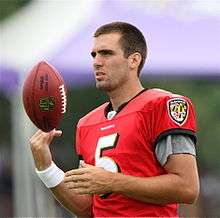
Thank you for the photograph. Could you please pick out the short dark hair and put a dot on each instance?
(132, 40)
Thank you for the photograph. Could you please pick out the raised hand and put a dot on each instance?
(39, 143)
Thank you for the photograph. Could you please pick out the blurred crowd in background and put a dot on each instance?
(203, 90)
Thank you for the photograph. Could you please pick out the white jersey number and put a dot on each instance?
(105, 143)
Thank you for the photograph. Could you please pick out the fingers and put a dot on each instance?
(44, 137)
(88, 180)
(53, 132)
(37, 133)
(85, 168)
(75, 179)
(80, 187)
(85, 165)
(35, 136)
(48, 137)
(79, 184)
(39, 138)
(56, 133)
(76, 172)
(76, 176)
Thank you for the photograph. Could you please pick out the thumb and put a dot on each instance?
(57, 133)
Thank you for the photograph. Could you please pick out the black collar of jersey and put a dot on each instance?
(110, 108)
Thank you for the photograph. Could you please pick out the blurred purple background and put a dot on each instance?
(181, 43)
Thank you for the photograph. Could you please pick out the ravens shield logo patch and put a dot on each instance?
(178, 110)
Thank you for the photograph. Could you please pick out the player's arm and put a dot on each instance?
(80, 205)
(179, 185)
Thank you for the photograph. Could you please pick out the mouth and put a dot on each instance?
(99, 75)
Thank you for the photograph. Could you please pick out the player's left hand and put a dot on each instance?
(89, 180)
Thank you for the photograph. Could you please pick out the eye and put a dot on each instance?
(93, 54)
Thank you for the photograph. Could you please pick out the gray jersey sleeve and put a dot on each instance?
(174, 144)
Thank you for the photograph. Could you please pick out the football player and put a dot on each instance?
(137, 151)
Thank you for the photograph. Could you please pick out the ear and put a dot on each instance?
(134, 60)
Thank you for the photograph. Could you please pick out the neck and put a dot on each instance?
(124, 94)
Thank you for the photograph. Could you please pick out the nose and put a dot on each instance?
(97, 62)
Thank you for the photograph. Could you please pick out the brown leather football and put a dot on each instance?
(44, 96)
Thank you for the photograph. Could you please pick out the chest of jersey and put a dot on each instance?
(121, 144)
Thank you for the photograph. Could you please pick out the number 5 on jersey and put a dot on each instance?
(106, 143)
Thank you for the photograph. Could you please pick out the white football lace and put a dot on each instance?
(63, 98)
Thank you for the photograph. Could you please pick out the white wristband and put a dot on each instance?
(52, 176)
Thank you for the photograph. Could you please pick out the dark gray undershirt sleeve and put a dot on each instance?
(174, 144)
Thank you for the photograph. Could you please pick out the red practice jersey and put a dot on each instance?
(126, 144)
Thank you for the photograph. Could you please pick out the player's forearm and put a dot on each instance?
(80, 205)
(164, 189)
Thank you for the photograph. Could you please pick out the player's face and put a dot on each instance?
(110, 65)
